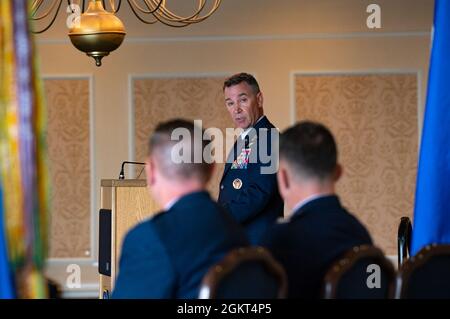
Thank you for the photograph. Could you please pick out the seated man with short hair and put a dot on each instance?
(319, 229)
(168, 255)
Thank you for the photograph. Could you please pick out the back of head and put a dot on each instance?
(178, 148)
(310, 151)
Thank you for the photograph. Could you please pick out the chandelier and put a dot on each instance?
(97, 31)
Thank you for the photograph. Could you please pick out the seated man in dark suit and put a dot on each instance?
(319, 229)
(167, 255)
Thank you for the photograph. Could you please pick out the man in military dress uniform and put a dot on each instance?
(248, 188)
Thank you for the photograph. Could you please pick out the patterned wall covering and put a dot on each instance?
(161, 99)
(68, 143)
(374, 120)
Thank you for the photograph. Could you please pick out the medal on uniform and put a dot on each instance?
(237, 183)
(242, 160)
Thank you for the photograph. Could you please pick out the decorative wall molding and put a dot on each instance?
(57, 265)
(418, 72)
(91, 164)
(268, 37)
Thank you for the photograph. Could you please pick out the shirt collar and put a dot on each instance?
(175, 200)
(306, 200)
(170, 204)
(244, 134)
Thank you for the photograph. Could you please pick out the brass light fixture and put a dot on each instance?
(97, 31)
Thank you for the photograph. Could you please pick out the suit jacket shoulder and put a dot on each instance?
(315, 236)
(146, 270)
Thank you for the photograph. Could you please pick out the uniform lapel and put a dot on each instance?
(229, 160)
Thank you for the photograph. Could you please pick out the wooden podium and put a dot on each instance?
(129, 203)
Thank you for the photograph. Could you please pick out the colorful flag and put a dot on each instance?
(432, 207)
(23, 173)
(6, 287)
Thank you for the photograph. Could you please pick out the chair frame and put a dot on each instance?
(404, 240)
(414, 263)
(232, 260)
(342, 265)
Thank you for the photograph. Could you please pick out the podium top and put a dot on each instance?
(123, 183)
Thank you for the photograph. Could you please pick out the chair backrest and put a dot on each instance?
(249, 272)
(426, 275)
(404, 240)
(362, 273)
(54, 289)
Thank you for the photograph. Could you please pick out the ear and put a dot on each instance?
(283, 180)
(260, 99)
(337, 172)
(150, 171)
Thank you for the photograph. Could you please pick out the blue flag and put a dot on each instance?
(432, 207)
(6, 289)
